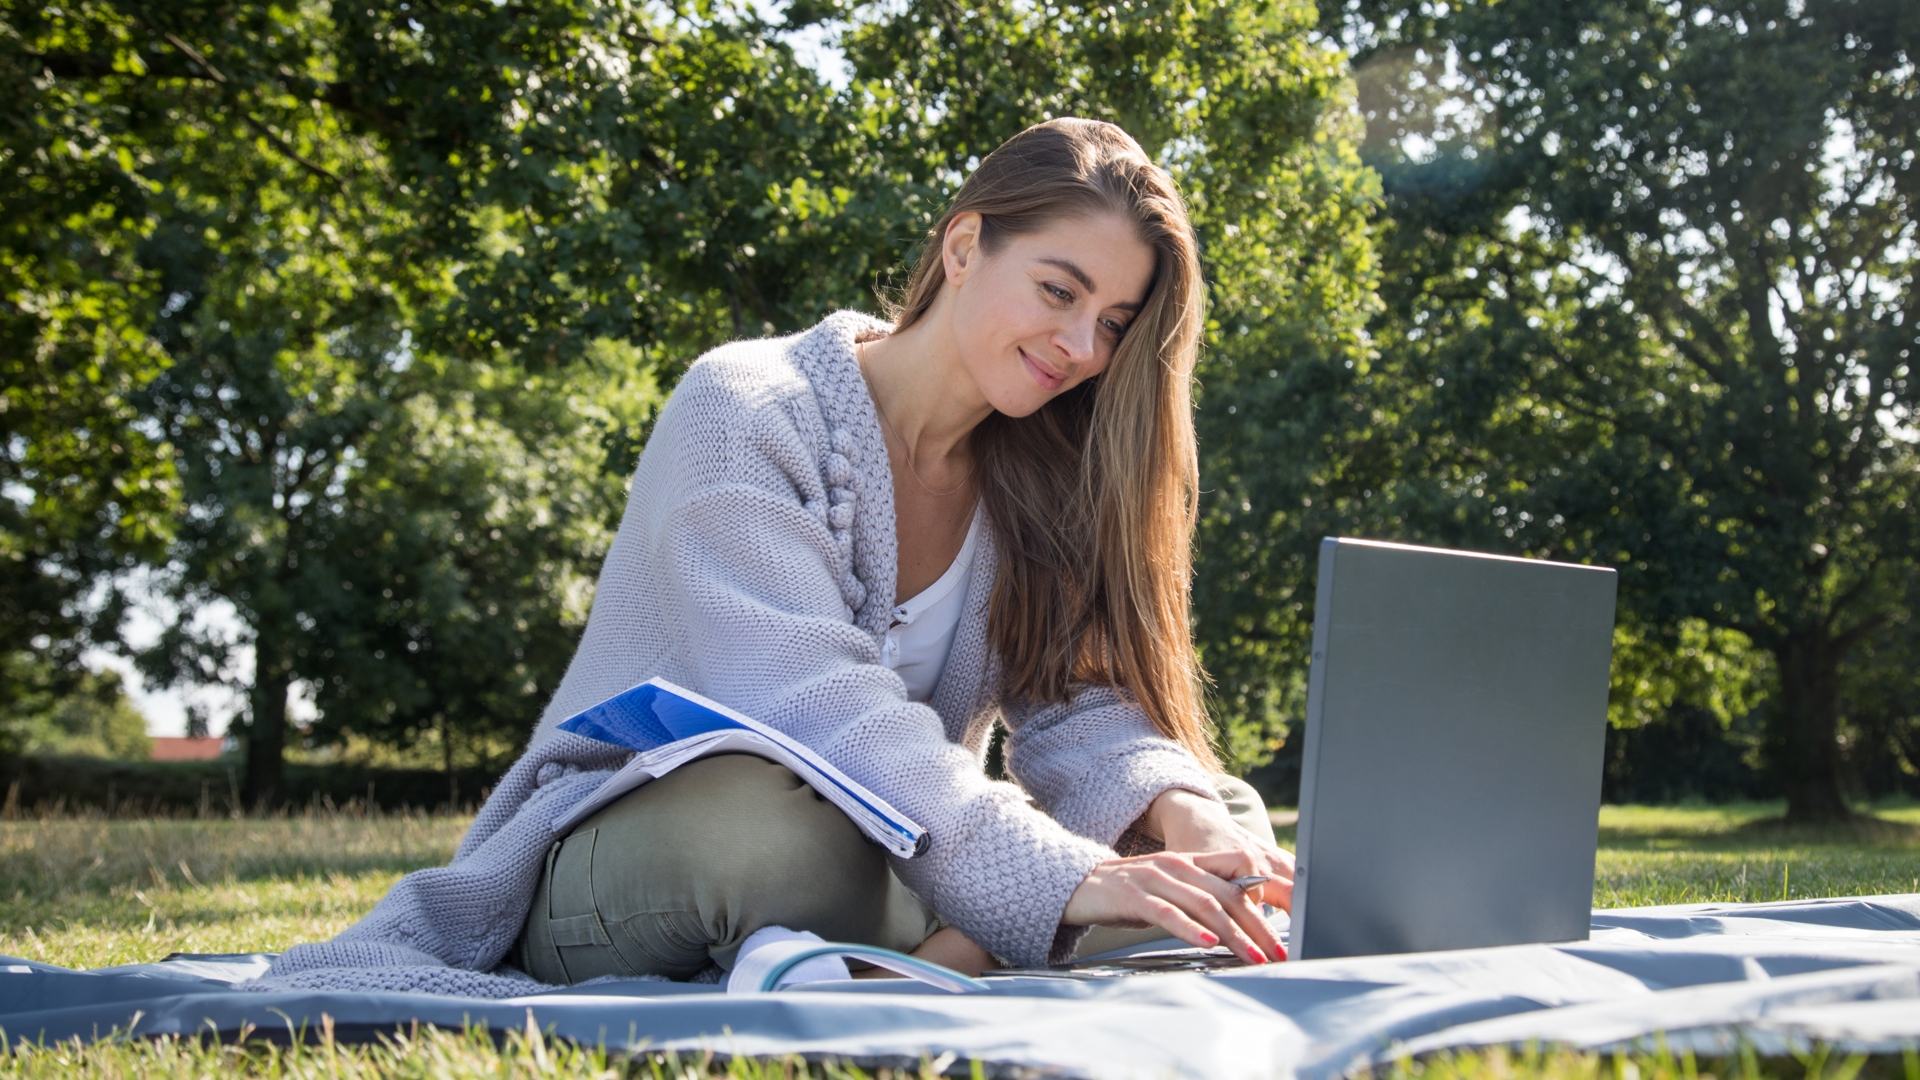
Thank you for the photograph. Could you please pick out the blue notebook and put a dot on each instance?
(669, 726)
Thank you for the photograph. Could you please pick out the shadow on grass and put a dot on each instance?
(1752, 827)
(1865, 830)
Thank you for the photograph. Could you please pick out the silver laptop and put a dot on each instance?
(1450, 784)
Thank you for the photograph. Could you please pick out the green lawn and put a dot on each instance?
(87, 892)
(1686, 855)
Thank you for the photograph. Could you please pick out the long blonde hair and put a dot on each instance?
(1093, 497)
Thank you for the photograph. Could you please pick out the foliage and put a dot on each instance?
(407, 271)
(75, 712)
(1685, 756)
(285, 268)
(359, 315)
(1880, 691)
(94, 718)
(1683, 710)
(1698, 666)
(82, 485)
(1650, 274)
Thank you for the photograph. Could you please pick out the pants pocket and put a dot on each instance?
(580, 940)
(670, 943)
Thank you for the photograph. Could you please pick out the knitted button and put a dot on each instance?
(854, 593)
(839, 470)
(841, 517)
(842, 442)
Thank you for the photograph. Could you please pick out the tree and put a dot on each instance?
(273, 266)
(460, 557)
(1651, 274)
(95, 718)
(83, 488)
(411, 274)
(363, 235)
(1880, 696)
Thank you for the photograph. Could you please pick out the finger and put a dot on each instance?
(1224, 909)
(1279, 893)
(1242, 908)
(1247, 915)
(1169, 917)
(1198, 907)
(1227, 865)
(1278, 888)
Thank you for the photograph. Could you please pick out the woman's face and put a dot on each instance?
(1045, 312)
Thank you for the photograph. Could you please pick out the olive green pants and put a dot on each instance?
(673, 877)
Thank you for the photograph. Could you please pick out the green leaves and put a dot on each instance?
(391, 287)
(1660, 256)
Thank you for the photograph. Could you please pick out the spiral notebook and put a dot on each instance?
(669, 726)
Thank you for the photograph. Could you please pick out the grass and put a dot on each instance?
(1741, 853)
(1687, 855)
(88, 892)
(474, 1054)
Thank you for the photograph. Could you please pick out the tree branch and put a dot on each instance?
(264, 131)
(79, 65)
(1858, 588)
(1849, 638)
(287, 148)
(193, 54)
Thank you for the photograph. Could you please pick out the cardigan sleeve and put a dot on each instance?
(751, 587)
(1096, 763)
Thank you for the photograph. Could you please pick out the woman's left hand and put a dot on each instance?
(1195, 824)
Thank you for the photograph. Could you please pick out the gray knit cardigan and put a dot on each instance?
(756, 565)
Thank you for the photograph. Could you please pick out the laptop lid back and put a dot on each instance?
(1456, 720)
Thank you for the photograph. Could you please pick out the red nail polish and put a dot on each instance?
(1258, 956)
(1209, 939)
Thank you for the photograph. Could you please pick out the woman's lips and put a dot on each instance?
(1042, 374)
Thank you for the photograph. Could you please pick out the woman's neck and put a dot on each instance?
(926, 398)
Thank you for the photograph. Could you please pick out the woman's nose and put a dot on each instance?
(1076, 340)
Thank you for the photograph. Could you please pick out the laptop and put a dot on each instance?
(1450, 778)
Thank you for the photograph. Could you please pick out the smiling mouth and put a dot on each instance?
(1042, 374)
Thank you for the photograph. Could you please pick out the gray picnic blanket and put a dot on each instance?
(1780, 976)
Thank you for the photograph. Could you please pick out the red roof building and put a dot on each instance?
(174, 748)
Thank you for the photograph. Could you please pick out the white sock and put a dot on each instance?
(749, 970)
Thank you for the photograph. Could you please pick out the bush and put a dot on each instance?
(35, 783)
(95, 717)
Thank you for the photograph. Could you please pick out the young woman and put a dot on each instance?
(882, 540)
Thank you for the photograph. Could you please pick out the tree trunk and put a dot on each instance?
(267, 725)
(1806, 735)
(446, 751)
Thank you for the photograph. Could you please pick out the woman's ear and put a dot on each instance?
(960, 252)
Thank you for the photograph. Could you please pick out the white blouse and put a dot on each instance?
(917, 643)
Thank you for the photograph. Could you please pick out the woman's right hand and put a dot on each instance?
(1191, 897)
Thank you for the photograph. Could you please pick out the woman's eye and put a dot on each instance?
(1059, 294)
(1114, 326)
